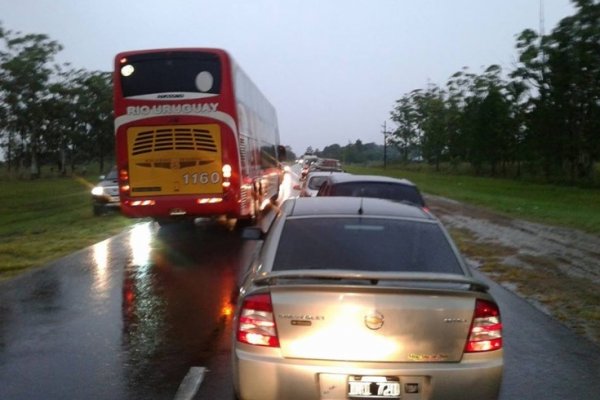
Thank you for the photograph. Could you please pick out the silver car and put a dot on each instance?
(105, 195)
(363, 298)
(313, 181)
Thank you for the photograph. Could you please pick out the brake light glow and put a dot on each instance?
(256, 324)
(226, 171)
(124, 181)
(486, 329)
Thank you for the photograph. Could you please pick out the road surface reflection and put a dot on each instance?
(178, 294)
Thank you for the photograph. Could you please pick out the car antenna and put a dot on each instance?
(360, 209)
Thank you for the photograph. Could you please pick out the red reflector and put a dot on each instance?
(137, 203)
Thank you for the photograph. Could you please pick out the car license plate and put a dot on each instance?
(373, 387)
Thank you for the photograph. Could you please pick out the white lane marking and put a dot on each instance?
(190, 383)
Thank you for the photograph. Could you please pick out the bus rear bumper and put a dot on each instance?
(184, 208)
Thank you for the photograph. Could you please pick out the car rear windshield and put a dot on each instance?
(112, 174)
(381, 190)
(315, 182)
(365, 244)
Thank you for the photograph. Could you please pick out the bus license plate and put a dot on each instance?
(373, 387)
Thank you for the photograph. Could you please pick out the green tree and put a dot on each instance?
(332, 151)
(406, 135)
(25, 72)
(490, 125)
(564, 69)
(95, 116)
(431, 114)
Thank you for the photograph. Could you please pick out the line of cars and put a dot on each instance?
(359, 292)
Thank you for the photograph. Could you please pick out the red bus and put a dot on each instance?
(194, 136)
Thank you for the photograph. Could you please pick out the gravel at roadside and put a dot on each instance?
(557, 269)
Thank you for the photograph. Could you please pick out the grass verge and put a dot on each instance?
(45, 219)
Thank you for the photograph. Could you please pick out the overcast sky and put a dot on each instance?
(332, 68)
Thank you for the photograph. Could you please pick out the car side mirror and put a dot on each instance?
(253, 233)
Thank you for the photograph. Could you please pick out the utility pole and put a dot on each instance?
(385, 132)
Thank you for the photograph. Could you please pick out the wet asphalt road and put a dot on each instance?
(128, 318)
(124, 319)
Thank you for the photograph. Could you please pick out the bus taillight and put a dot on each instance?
(226, 171)
(124, 180)
(226, 175)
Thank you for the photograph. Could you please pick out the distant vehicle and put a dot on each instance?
(382, 187)
(105, 195)
(313, 181)
(326, 164)
(363, 298)
(194, 136)
(309, 158)
(307, 161)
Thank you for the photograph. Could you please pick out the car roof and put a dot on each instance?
(323, 173)
(320, 160)
(370, 178)
(352, 206)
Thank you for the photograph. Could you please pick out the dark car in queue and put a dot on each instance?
(354, 298)
(105, 195)
(381, 187)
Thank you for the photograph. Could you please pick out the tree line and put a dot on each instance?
(50, 113)
(358, 153)
(541, 119)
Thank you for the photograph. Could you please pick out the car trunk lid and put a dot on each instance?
(372, 323)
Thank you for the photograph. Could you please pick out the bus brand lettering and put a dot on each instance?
(170, 96)
(173, 109)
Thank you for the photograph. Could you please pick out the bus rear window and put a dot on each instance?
(171, 72)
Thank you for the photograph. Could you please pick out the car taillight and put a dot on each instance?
(256, 324)
(486, 328)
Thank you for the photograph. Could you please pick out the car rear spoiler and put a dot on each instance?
(370, 277)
